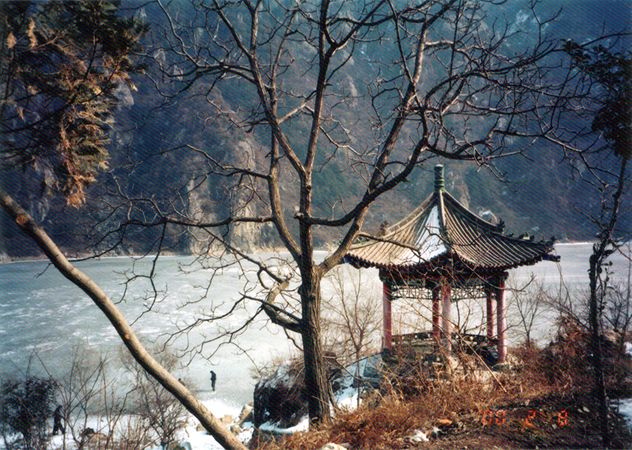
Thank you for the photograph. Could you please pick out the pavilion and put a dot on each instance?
(442, 246)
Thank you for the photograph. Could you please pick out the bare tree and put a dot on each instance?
(606, 79)
(452, 78)
(601, 69)
(60, 65)
(119, 323)
(82, 392)
(598, 283)
(91, 390)
(529, 302)
(352, 317)
(161, 412)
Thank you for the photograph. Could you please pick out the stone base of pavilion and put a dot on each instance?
(424, 347)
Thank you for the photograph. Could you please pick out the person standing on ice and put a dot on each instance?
(58, 421)
(213, 380)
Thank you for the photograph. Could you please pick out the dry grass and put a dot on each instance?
(456, 402)
(389, 417)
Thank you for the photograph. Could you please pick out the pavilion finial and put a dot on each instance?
(439, 180)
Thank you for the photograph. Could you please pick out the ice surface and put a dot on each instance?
(42, 314)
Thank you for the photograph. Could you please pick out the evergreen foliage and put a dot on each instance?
(62, 64)
(612, 71)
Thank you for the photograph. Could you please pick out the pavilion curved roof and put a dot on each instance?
(442, 227)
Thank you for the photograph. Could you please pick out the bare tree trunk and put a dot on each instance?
(316, 383)
(601, 250)
(118, 321)
(596, 260)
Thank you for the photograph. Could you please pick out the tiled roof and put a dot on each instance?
(441, 227)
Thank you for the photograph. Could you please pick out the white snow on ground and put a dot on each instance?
(189, 437)
(625, 408)
(625, 404)
(201, 440)
(303, 425)
(346, 396)
(192, 438)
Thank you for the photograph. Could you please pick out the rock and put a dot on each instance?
(245, 415)
(444, 422)
(332, 446)
(92, 439)
(179, 446)
(199, 427)
(279, 398)
(87, 432)
(227, 419)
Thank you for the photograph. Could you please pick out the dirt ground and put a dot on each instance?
(553, 422)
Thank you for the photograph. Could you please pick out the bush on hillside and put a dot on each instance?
(25, 407)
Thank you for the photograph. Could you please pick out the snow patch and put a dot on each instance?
(303, 425)
(353, 381)
(625, 409)
(419, 436)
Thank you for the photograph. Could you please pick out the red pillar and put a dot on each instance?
(388, 318)
(445, 316)
(436, 314)
(490, 314)
(501, 321)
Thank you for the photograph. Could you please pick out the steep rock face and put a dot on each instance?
(217, 199)
(538, 195)
(200, 208)
(64, 223)
(216, 189)
(242, 202)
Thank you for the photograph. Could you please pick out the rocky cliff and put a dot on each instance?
(170, 155)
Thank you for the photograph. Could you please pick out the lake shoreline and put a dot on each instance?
(6, 259)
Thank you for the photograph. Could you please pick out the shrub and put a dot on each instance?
(25, 406)
(564, 361)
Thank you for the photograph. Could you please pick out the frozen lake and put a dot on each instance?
(42, 313)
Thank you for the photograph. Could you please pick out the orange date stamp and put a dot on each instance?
(533, 418)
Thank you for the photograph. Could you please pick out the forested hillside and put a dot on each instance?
(165, 136)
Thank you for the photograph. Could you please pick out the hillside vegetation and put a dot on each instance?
(542, 399)
(536, 191)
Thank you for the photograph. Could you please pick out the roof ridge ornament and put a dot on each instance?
(439, 178)
(439, 191)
